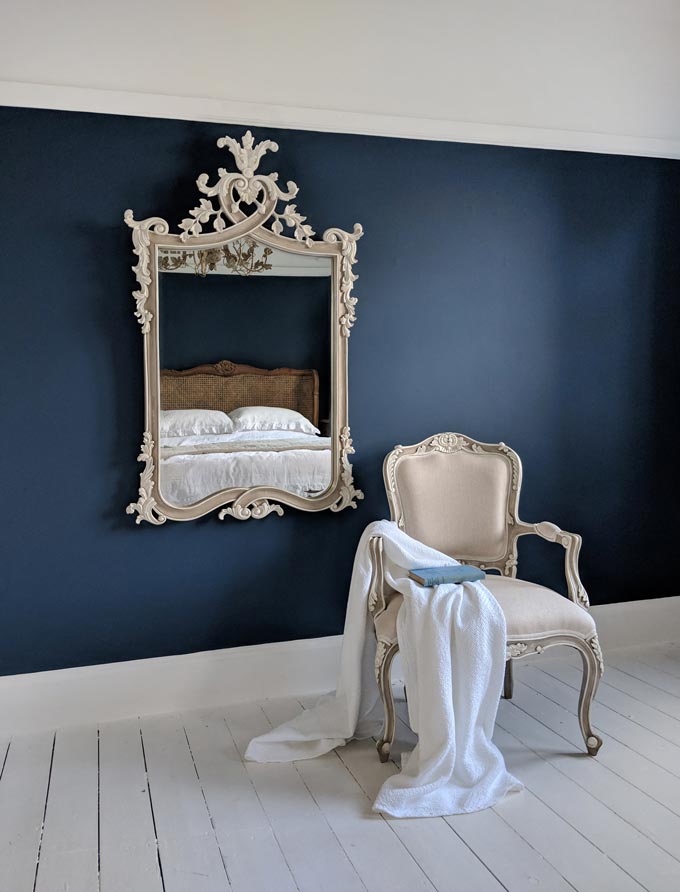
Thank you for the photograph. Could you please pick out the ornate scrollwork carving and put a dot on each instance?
(145, 506)
(514, 465)
(140, 247)
(515, 650)
(348, 493)
(259, 509)
(244, 186)
(391, 475)
(522, 649)
(572, 544)
(448, 443)
(380, 652)
(510, 564)
(594, 643)
(290, 216)
(348, 240)
(233, 207)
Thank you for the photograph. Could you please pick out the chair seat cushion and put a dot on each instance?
(531, 611)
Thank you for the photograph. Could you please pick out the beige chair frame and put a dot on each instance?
(517, 647)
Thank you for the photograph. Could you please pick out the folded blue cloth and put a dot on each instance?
(450, 573)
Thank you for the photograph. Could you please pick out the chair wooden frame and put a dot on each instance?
(516, 647)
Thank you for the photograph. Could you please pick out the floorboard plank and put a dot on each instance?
(644, 683)
(663, 701)
(4, 749)
(376, 852)
(447, 860)
(69, 852)
(665, 657)
(316, 858)
(23, 793)
(593, 775)
(127, 839)
(555, 835)
(189, 854)
(513, 863)
(661, 681)
(611, 723)
(512, 859)
(251, 852)
(593, 830)
(167, 804)
(622, 703)
(624, 761)
(442, 855)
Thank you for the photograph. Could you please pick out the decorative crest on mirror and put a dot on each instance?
(242, 219)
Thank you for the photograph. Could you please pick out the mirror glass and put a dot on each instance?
(245, 370)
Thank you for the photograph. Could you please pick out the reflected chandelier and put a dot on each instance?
(239, 256)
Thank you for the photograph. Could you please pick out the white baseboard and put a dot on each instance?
(253, 114)
(632, 623)
(94, 694)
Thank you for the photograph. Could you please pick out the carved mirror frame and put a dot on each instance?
(261, 194)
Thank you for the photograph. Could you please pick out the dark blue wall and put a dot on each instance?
(510, 294)
(265, 321)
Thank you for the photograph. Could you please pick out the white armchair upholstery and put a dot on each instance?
(461, 497)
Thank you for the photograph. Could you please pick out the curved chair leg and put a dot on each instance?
(383, 672)
(509, 681)
(593, 667)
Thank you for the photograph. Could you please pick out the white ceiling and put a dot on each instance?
(584, 74)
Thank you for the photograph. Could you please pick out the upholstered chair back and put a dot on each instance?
(458, 496)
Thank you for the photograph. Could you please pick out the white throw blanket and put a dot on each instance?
(452, 642)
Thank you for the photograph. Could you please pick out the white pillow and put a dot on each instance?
(271, 418)
(194, 422)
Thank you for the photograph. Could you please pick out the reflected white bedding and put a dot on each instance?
(192, 468)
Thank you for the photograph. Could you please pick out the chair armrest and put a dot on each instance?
(571, 542)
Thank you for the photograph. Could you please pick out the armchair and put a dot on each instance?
(461, 497)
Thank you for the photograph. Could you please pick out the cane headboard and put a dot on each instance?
(227, 386)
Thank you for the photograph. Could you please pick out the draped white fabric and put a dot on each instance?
(452, 642)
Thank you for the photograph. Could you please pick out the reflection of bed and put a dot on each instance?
(227, 386)
(298, 463)
(194, 467)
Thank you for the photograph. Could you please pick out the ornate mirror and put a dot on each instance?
(245, 352)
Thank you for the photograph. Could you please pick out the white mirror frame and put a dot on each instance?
(263, 193)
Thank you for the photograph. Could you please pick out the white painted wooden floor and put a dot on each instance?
(166, 804)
